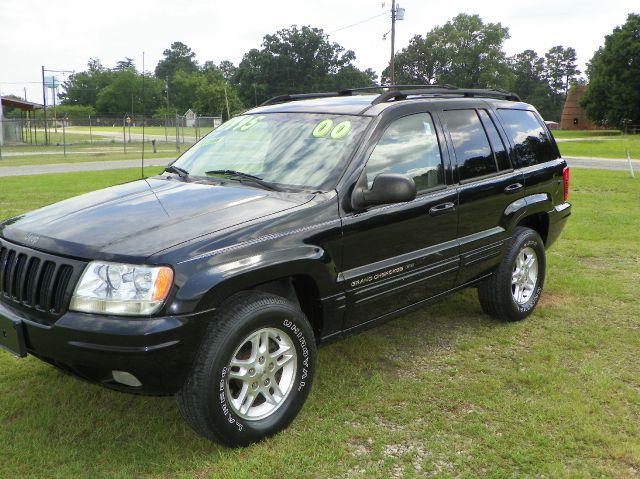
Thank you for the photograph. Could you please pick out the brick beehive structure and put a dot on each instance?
(573, 115)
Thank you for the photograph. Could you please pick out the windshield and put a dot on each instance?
(292, 149)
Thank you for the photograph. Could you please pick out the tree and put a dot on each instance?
(351, 77)
(178, 57)
(613, 93)
(228, 69)
(561, 69)
(464, 52)
(82, 88)
(124, 94)
(124, 64)
(204, 92)
(294, 60)
(529, 82)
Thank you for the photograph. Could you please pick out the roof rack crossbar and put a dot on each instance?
(304, 96)
(394, 87)
(432, 90)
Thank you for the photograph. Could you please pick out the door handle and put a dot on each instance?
(441, 209)
(513, 188)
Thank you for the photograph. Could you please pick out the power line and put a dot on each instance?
(20, 82)
(359, 23)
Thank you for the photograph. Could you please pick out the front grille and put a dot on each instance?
(36, 281)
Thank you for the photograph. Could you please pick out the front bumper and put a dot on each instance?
(159, 352)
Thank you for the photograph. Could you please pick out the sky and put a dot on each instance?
(64, 34)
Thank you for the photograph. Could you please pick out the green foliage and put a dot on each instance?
(613, 94)
(125, 64)
(82, 88)
(543, 81)
(529, 82)
(561, 69)
(204, 92)
(227, 68)
(178, 57)
(110, 92)
(124, 94)
(464, 52)
(296, 60)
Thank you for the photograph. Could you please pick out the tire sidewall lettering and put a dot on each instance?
(302, 340)
(224, 406)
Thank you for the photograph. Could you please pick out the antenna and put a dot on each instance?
(143, 121)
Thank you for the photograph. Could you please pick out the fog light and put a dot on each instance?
(126, 378)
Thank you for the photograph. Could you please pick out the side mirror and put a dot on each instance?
(387, 188)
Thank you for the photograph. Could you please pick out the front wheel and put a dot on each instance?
(253, 371)
(514, 289)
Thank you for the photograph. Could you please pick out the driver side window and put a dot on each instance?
(409, 146)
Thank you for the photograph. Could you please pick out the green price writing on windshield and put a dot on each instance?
(338, 132)
(243, 123)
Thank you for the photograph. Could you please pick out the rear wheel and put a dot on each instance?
(514, 289)
(253, 371)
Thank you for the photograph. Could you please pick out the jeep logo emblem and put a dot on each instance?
(31, 239)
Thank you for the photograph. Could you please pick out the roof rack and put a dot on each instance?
(442, 91)
(345, 92)
(399, 92)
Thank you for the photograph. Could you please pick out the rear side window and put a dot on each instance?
(470, 143)
(531, 141)
(409, 146)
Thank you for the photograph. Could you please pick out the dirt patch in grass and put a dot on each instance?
(360, 448)
(555, 299)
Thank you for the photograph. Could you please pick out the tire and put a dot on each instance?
(244, 355)
(513, 290)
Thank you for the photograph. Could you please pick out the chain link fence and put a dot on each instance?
(101, 134)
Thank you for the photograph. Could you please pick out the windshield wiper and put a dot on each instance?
(246, 176)
(181, 172)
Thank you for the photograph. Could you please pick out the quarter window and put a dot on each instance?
(531, 141)
(499, 150)
(409, 146)
(473, 152)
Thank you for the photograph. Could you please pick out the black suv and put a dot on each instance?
(302, 221)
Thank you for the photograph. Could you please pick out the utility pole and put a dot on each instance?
(226, 100)
(166, 82)
(44, 110)
(55, 93)
(397, 14)
(44, 98)
(393, 42)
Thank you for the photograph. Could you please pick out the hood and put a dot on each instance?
(138, 219)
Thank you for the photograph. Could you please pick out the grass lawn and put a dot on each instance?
(85, 157)
(443, 391)
(562, 134)
(149, 130)
(613, 147)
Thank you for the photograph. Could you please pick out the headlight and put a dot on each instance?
(121, 289)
